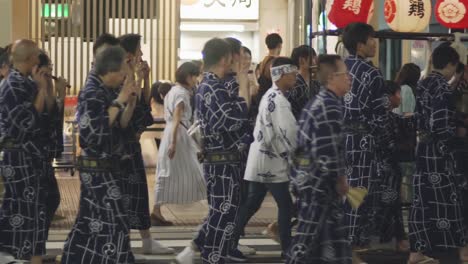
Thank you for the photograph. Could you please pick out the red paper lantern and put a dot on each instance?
(452, 13)
(344, 12)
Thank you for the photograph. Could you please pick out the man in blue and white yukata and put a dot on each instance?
(23, 156)
(101, 231)
(365, 122)
(135, 184)
(318, 174)
(435, 221)
(222, 116)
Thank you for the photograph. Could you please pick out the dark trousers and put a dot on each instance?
(255, 196)
(52, 193)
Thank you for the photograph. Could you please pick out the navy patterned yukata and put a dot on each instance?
(135, 183)
(101, 232)
(222, 116)
(320, 159)
(435, 219)
(390, 217)
(301, 94)
(365, 121)
(52, 134)
(23, 215)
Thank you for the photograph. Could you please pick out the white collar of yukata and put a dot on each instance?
(278, 71)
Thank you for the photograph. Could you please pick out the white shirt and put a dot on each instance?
(275, 139)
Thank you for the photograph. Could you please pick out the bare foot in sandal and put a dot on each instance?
(464, 254)
(403, 246)
(419, 258)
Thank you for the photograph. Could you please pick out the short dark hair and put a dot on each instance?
(273, 41)
(327, 64)
(4, 59)
(356, 33)
(159, 91)
(281, 61)
(185, 70)
(409, 75)
(104, 39)
(109, 60)
(303, 51)
(247, 50)
(164, 88)
(44, 59)
(391, 87)
(130, 42)
(235, 45)
(214, 50)
(443, 56)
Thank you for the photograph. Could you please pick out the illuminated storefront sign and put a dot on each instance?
(220, 9)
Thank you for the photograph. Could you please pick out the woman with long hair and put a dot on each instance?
(179, 177)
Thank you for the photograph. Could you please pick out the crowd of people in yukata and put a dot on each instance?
(307, 128)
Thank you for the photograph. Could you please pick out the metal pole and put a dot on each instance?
(311, 37)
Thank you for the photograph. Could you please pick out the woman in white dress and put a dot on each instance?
(179, 178)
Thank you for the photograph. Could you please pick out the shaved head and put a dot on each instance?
(23, 51)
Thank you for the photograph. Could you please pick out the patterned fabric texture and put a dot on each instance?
(223, 116)
(101, 230)
(435, 219)
(23, 214)
(320, 159)
(365, 121)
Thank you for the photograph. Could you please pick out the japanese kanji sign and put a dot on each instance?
(344, 12)
(407, 15)
(220, 9)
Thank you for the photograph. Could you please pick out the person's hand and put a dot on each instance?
(127, 90)
(171, 151)
(61, 87)
(342, 187)
(461, 132)
(143, 70)
(39, 75)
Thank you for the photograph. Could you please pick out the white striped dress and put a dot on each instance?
(180, 180)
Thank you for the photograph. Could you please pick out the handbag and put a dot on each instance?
(195, 132)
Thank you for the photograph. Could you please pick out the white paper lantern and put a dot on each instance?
(407, 15)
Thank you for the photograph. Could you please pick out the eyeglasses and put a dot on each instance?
(341, 73)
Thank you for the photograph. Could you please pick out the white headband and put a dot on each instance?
(278, 71)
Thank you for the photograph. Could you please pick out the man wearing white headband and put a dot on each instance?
(275, 139)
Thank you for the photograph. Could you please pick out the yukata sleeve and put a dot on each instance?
(441, 124)
(56, 132)
(285, 129)
(379, 105)
(228, 112)
(23, 123)
(94, 120)
(142, 117)
(329, 151)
